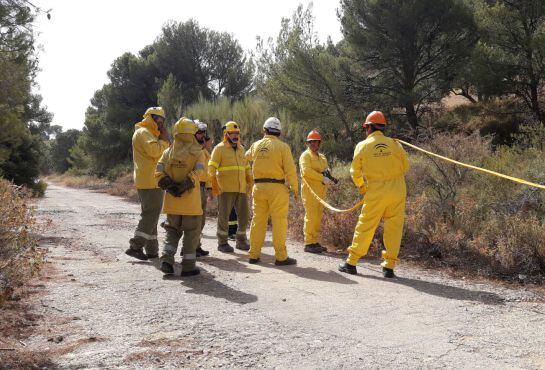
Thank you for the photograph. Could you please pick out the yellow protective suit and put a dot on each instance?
(184, 158)
(147, 148)
(379, 165)
(272, 160)
(312, 165)
(228, 169)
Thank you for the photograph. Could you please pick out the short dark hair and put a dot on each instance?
(377, 127)
(272, 132)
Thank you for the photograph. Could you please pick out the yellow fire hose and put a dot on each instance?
(360, 203)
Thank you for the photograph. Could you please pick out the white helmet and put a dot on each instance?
(273, 124)
(201, 125)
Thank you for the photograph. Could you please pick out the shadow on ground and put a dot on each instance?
(444, 291)
(303, 272)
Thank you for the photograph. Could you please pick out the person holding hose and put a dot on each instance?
(378, 170)
(149, 141)
(316, 177)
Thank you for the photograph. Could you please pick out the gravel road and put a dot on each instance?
(111, 311)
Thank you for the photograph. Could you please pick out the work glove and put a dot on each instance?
(363, 189)
(165, 182)
(328, 181)
(327, 174)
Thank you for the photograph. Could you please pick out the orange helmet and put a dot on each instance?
(314, 135)
(375, 117)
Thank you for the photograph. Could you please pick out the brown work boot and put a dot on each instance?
(225, 248)
(348, 268)
(136, 253)
(313, 248)
(388, 273)
(288, 261)
(242, 245)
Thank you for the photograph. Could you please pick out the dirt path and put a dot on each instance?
(112, 311)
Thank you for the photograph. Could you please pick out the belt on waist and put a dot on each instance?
(203, 183)
(274, 181)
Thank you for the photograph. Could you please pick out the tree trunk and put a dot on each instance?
(412, 117)
(536, 108)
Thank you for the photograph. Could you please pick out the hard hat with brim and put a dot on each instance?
(375, 118)
(273, 124)
(156, 111)
(314, 136)
(185, 126)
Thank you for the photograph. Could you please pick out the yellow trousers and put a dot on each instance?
(384, 200)
(314, 212)
(269, 199)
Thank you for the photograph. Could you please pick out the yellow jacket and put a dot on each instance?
(272, 159)
(146, 150)
(229, 167)
(378, 158)
(178, 162)
(312, 165)
(204, 175)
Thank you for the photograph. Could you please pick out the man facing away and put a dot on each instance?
(272, 166)
(149, 140)
(378, 170)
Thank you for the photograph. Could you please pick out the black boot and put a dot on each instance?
(388, 273)
(225, 248)
(167, 268)
(313, 248)
(348, 268)
(201, 252)
(324, 249)
(194, 272)
(288, 261)
(253, 261)
(136, 253)
(242, 245)
(152, 255)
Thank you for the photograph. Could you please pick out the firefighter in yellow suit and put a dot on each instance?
(314, 170)
(273, 166)
(378, 170)
(231, 180)
(149, 141)
(178, 173)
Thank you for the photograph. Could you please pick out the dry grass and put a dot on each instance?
(122, 186)
(20, 258)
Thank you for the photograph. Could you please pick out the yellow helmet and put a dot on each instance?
(231, 126)
(158, 111)
(185, 126)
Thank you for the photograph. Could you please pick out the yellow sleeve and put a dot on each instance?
(152, 146)
(356, 170)
(214, 163)
(404, 158)
(249, 154)
(160, 168)
(289, 168)
(306, 170)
